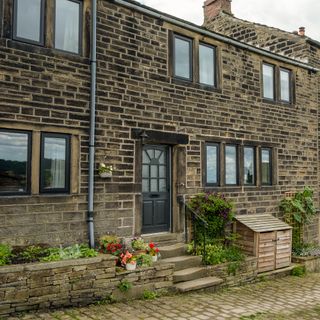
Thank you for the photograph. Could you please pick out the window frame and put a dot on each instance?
(289, 72)
(29, 167)
(270, 183)
(274, 81)
(190, 41)
(214, 48)
(79, 52)
(217, 145)
(254, 182)
(42, 25)
(66, 189)
(237, 164)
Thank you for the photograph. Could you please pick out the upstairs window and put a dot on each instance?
(207, 65)
(68, 25)
(182, 58)
(268, 81)
(14, 162)
(285, 77)
(28, 23)
(55, 163)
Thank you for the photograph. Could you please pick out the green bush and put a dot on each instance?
(216, 210)
(298, 271)
(144, 260)
(32, 254)
(5, 254)
(124, 285)
(149, 295)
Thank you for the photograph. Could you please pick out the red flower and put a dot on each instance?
(151, 245)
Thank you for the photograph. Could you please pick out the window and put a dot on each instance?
(207, 64)
(29, 21)
(68, 25)
(231, 166)
(55, 163)
(14, 162)
(182, 57)
(249, 165)
(266, 167)
(285, 76)
(212, 164)
(268, 81)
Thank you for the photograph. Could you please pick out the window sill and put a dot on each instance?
(191, 84)
(277, 103)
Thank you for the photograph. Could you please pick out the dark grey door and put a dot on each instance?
(155, 189)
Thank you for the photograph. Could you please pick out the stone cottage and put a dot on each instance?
(180, 109)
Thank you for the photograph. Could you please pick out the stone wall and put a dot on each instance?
(73, 283)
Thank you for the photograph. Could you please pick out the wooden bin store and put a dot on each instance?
(265, 237)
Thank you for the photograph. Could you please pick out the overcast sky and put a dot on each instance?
(288, 15)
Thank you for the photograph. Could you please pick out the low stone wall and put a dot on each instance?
(246, 272)
(312, 264)
(74, 283)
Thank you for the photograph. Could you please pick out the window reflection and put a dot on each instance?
(285, 85)
(206, 65)
(212, 164)
(268, 81)
(266, 166)
(231, 164)
(14, 154)
(248, 163)
(182, 63)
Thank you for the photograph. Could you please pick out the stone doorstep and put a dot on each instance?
(161, 239)
(198, 284)
(189, 274)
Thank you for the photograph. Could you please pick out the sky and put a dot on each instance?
(287, 15)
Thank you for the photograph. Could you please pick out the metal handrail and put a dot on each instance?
(195, 216)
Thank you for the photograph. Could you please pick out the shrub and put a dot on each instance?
(149, 295)
(124, 285)
(216, 210)
(138, 244)
(110, 244)
(144, 260)
(5, 254)
(298, 271)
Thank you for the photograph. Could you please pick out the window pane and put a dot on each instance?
(231, 164)
(54, 163)
(206, 65)
(67, 25)
(285, 85)
(212, 164)
(28, 19)
(266, 166)
(182, 63)
(145, 185)
(248, 163)
(14, 153)
(268, 82)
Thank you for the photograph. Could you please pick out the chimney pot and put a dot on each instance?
(302, 31)
(212, 8)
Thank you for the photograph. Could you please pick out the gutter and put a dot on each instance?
(93, 66)
(193, 27)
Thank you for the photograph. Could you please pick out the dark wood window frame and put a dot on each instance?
(42, 24)
(190, 41)
(29, 146)
(270, 183)
(237, 164)
(80, 26)
(66, 189)
(217, 145)
(277, 84)
(214, 64)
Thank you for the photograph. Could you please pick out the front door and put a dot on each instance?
(155, 189)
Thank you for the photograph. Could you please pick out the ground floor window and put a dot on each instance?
(14, 162)
(247, 165)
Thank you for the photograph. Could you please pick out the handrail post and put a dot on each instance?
(194, 234)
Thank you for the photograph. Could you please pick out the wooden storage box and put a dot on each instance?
(266, 237)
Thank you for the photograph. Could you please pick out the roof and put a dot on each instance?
(262, 222)
(202, 30)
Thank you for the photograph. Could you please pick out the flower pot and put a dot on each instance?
(131, 266)
(154, 258)
(106, 174)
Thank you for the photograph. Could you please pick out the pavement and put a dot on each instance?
(289, 298)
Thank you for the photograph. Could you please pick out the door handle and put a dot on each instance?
(154, 195)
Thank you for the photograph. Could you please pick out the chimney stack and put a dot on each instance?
(212, 8)
(302, 31)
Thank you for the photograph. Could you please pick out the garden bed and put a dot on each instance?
(76, 282)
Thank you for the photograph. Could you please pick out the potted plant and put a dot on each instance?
(153, 251)
(138, 245)
(128, 260)
(110, 244)
(105, 171)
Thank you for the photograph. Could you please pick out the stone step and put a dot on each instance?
(202, 283)
(184, 262)
(189, 274)
(161, 239)
(174, 250)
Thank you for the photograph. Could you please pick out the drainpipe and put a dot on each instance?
(93, 65)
